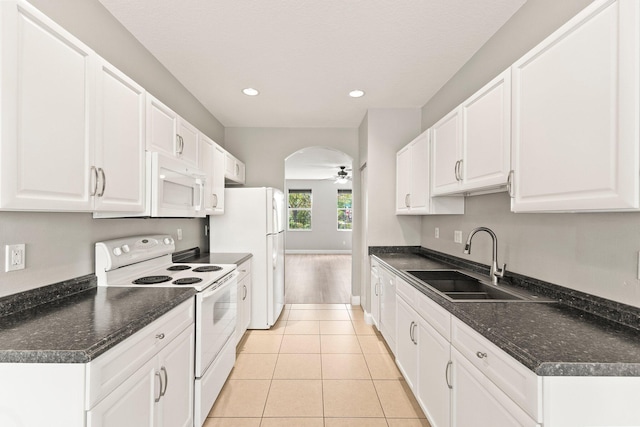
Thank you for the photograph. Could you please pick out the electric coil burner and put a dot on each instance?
(207, 268)
(179, 267)
(187, 281)
(151, 280)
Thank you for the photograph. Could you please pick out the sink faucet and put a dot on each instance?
(495, 272)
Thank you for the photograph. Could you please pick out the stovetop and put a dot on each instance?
(145, 261)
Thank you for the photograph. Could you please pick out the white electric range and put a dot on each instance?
(145, 261)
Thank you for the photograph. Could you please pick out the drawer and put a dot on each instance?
(244, 270)
(436, 316)
(112, 368)
(406, 291)
(519, 383)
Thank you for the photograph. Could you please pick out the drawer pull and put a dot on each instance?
(160, 336)
(481, 355)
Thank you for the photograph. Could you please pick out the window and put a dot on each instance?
(345, 210)
(300, 209)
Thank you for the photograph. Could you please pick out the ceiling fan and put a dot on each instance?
(343, 176)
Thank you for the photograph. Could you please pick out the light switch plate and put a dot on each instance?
(15, 257)
(437, 233)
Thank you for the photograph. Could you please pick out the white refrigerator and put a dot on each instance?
(254, 221)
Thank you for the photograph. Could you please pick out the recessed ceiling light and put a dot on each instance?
(250, 91)
(357, 93)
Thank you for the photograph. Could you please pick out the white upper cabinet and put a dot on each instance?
(576, 115)
(234, 169)
(120, 142)
(162, 128)
(47, 87)
(212, 164)
(471, 144)
(413, 184)
(187, 142)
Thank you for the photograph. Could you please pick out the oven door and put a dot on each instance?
(216, 311)
(176, 189)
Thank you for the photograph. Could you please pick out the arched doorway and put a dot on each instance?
(319, 192)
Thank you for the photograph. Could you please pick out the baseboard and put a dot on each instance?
(368, 318)
(317, 251)
(355, 299)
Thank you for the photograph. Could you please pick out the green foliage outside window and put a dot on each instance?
(345, 210)
(300, 209)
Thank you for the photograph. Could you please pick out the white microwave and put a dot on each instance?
(173, 189)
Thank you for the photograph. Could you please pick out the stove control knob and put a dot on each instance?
(125, 249)
(168, 240)
(117, 251)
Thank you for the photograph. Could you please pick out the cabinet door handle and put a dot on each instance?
(245, 292)
(510, 183)
(94, 172)
(415, 340)
(237, 169)
(455, 170)
(411, 332)
(215, 201)
(460, 169)
(157, 399)
(166, 381)
(407, 201)
(481, 355)
(104, 182)
(447, 373)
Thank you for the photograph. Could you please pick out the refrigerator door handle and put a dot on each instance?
(274, 253)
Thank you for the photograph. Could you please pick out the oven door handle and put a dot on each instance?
(223, 282)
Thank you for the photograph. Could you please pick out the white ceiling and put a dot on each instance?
(316, 163)
(304, 56)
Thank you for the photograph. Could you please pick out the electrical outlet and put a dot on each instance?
(179, 233)
(437, 233)
(15, 257)
(457, 236)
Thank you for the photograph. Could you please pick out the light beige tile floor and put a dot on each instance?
(322, 368)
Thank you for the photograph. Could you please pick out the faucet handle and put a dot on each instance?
(500, 271)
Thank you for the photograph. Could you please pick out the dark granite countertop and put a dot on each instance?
(78, 328)
(551, 339)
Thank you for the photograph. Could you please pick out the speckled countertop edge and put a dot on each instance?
(463, 312)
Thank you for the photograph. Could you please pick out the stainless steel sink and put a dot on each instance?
(458, 286)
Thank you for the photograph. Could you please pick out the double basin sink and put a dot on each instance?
(456, 286)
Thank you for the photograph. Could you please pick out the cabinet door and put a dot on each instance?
(375, 294)
(131, 404)
(187, 149)
(245, 268)
(575, 115)
(388, 307)
(434, 393)
(120, 142)
(217, 184)
(486, 136)
(420, 183)
(175, 365)
(446, 139)
(403, 180)
(47, 86)
(162, 128)
(206, 166)
(478, 402)
(407, 342)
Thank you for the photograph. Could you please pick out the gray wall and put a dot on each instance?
(60, 245)
(324, 237)
(591, 252)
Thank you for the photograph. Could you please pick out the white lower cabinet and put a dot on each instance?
(244, 300)
(375, 293)
(476, 401)
(434, 375)
(160, 392)
(387, 324)
(407, 342)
